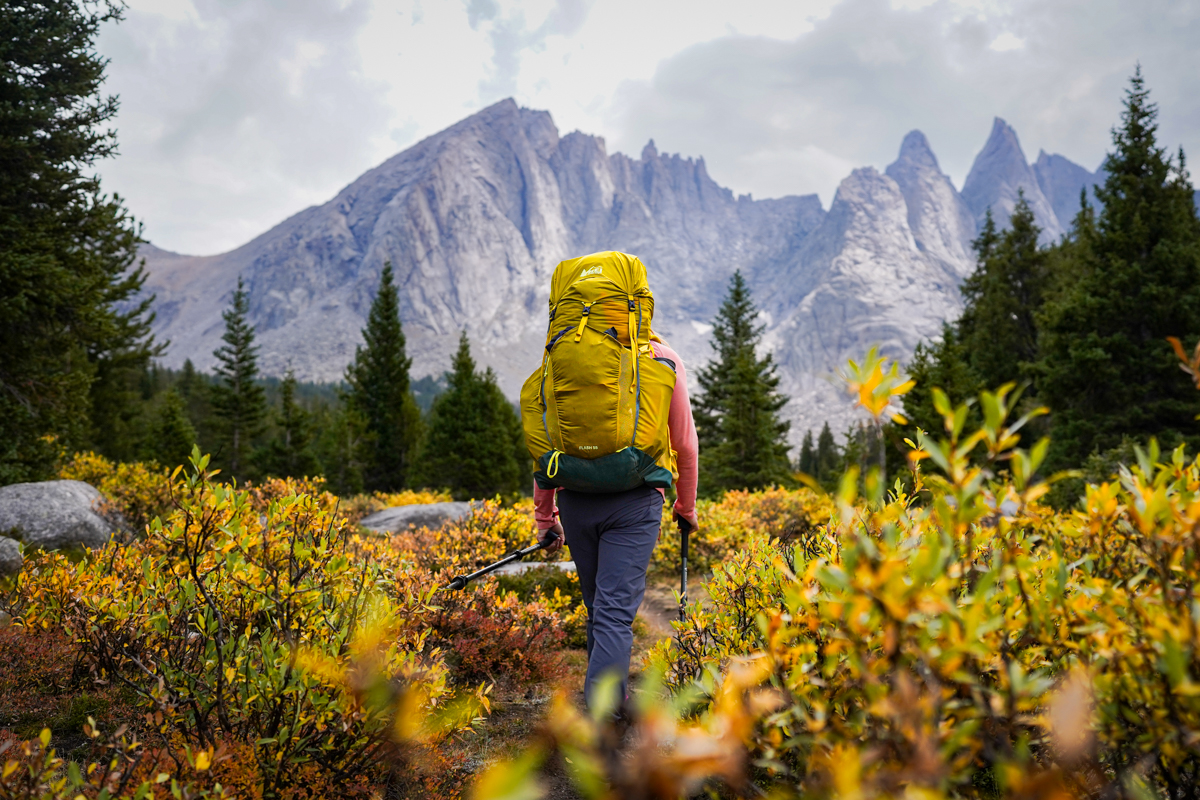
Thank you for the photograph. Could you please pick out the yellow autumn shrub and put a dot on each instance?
(137, 491)
(242, 621)
(959, 640)
(263, 637)
(729, 523)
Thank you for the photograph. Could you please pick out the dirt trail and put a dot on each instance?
(659, 609)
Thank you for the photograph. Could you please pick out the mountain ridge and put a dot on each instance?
(475, 217)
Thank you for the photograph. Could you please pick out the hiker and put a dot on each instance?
(607, 420)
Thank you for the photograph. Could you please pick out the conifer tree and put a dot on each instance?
(743, 443)
(808, 456)
(239, 401)
(289, 453)
(473, 436)
(379, 391)
(341, 447)
(998, 331)
(171, 434)
(995, 341)
(1105, 368)
(67, 250)
(195, 389)
(828, 457)
(189, 381)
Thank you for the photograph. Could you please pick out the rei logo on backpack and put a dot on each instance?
(595, 411)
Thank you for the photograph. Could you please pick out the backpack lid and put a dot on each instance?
(600, 275)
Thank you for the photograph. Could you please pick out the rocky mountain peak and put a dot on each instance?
(941, 223)
(1062, 180)
(475, 217)
(999, 174)
(916, 152)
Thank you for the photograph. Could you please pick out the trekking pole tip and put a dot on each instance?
(459, 582)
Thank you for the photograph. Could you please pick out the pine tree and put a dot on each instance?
(171, 434)
(67, 250)
(1105, 368)
(997, 331)
(239, 401)
(379, 390)
(473, 437)
(743, 443)
(808, 455)
(828, 456)
(995, 341)
(289, 453)
(341, 447)
(189, 383)
(944, 364)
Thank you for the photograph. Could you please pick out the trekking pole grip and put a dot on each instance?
(685, 528)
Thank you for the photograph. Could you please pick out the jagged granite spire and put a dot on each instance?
(999, 172)
(474, 218)
(941, 223)
(1061, 180)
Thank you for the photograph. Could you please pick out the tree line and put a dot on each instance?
(366, 434)
(1082, 324)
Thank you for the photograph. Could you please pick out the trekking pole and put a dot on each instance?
(685, 528)
(461, 581)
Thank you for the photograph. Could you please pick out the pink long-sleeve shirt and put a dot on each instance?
(683, 442)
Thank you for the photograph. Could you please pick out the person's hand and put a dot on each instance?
(693, 521)
(554, 536)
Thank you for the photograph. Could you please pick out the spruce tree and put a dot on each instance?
(289, 453)
(828, 457)
(472, 440)
(379, 391)
(171, 433)
(341, 447)
(995, 340)
(743, 443)
(239, 401)
(195, 389)
(67, 250)
(808, 456)
(997, 331)
(1105, 368)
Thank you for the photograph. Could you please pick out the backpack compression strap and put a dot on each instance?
(633, 345)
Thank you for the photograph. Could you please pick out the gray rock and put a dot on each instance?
(426, 515)
(1061, 180)
(861, 278)
(1000, 171)
(517, 567)
(54, 515)
(10, 557)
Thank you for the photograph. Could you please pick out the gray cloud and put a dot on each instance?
(786, 117)
(511, 34)
(241, 104)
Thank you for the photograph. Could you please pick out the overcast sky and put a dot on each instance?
(236, 114)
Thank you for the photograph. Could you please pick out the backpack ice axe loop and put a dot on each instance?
(461, 581)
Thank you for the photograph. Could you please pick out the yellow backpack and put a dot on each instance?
(595, 412)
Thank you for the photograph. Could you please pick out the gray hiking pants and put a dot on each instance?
(611, 537)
